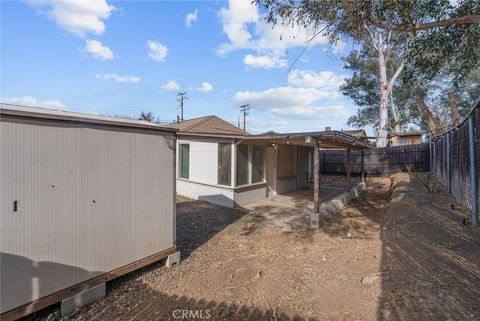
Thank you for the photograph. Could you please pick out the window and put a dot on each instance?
(250, 164)
(184, 160)
(224, 163)
(242, 164)
(258, 158)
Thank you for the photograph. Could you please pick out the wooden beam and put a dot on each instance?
(363, 166)
(316, 177)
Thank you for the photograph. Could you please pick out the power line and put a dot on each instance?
(181, 97)
(244, 109)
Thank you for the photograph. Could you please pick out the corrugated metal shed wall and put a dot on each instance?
(90, 199)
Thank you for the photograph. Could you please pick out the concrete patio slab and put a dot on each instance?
(292, 210)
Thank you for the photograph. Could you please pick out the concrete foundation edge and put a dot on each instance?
(335, 205)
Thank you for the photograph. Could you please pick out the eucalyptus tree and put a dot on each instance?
(420, 32)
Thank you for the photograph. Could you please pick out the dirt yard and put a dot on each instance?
(397, 253)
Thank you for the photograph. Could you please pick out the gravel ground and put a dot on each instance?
(396, 253)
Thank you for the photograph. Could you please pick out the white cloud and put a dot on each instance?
(262, 123)
(264, 61)
(284, 96)
(118, 78)
(312, 79)
(205, 87)
(170, 85)
(34, 102)
(79, 17)
(312, 111)
(191, 18)
(157, 51)
(246, 28)
(296, 102)
(235, 19)
(98, 50)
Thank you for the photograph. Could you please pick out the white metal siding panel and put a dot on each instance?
(36, 174)
(152, 232)
(59, 236)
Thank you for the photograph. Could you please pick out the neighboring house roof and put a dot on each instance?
(208, 125)
(357, 133)
(404, 134)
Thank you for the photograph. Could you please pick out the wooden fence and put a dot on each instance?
(378, 161)
(455, 157)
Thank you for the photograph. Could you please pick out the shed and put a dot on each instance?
(84, 199)
(404, 138)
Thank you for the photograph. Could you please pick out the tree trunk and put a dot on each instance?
(427, 114)
(454, 109)
(383, 130)
(395, 113)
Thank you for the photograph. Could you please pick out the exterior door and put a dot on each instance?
(271, 170)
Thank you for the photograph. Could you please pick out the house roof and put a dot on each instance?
(208, 125)
(74, 117)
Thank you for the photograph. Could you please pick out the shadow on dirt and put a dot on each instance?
(430, 268)
(199, 221)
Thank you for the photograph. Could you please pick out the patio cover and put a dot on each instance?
(317, 140)
(324, 139)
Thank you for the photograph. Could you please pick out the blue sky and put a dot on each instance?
(124, 57)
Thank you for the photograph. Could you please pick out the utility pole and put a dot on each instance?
(244, 109)
(181, 97)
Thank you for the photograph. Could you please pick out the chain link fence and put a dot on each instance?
(455, 158)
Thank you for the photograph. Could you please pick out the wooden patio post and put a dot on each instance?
(349, 166)
(316, 176)
(363, 166)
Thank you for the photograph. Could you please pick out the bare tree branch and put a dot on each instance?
(469, 19)
(371, 43)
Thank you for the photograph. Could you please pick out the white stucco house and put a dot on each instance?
(225, 165)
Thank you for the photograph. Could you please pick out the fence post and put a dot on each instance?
(316, 177)
(449, 162)
(349, 166)
(430, 151)
(473, 169)
(434, 163)
(363, 166)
